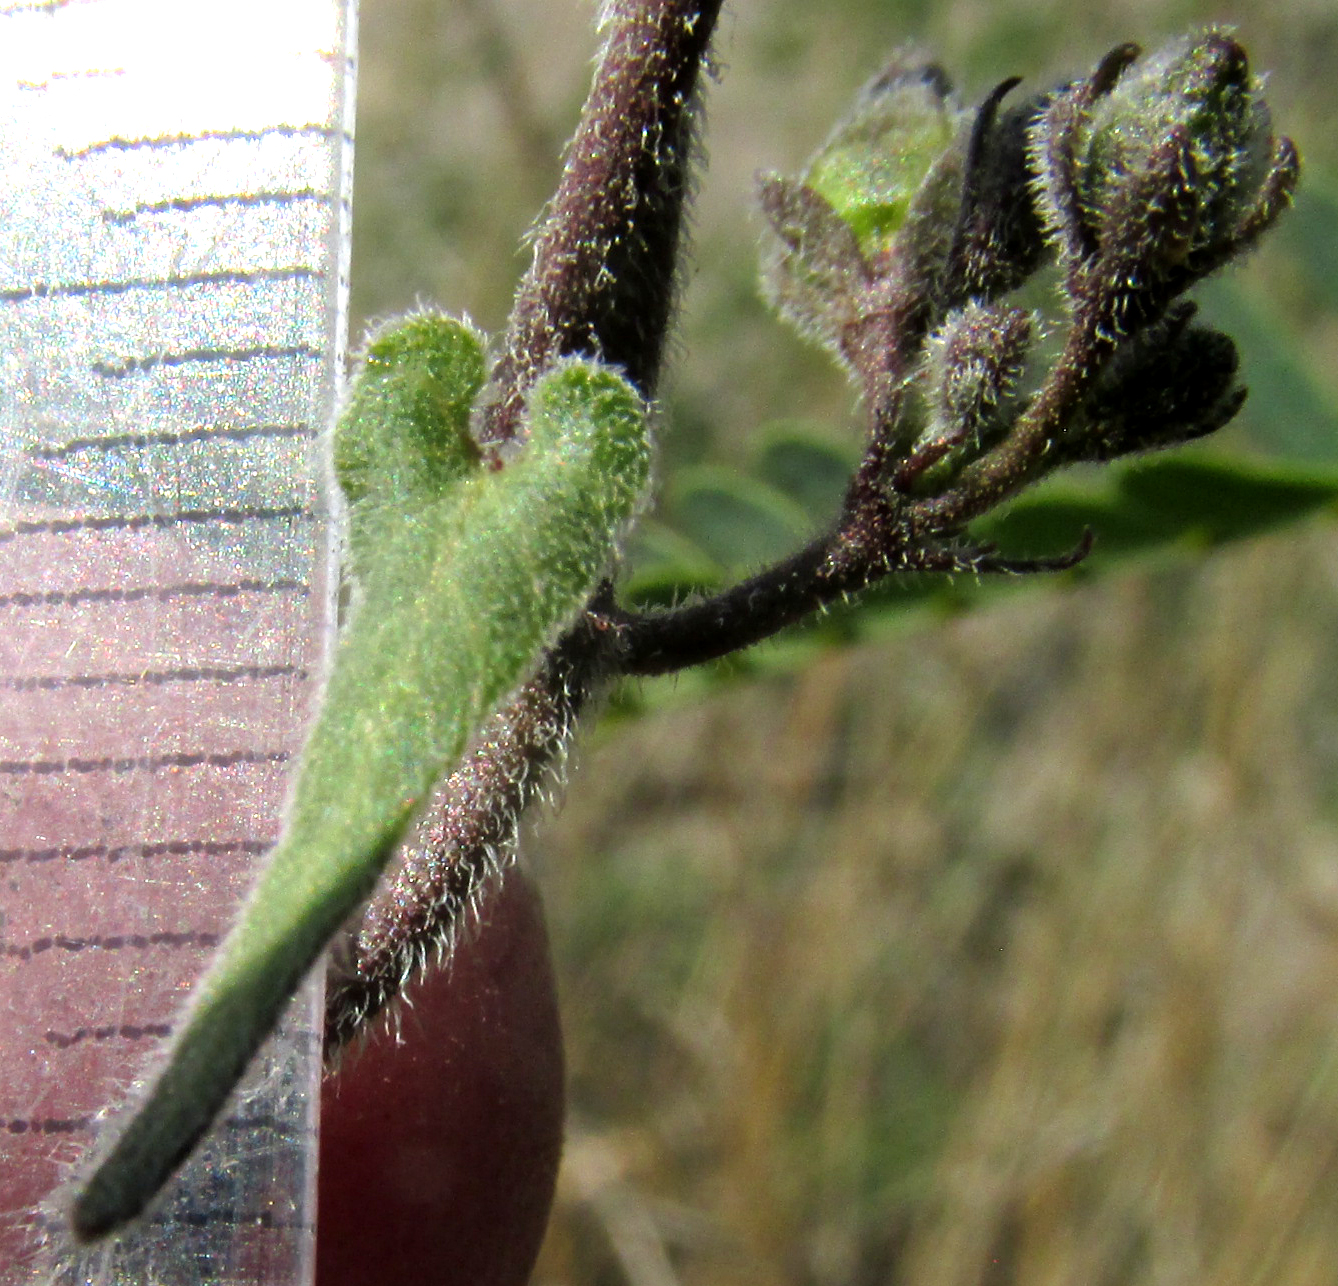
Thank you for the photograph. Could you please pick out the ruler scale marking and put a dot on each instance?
(43, 290)
(167, 356)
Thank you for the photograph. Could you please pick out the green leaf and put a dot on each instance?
(718, 525)
(812, 471)
(1308, 233)
(666, 567)
(737, 520)
(465, 575)
(405, 431)
(1225, 499)
(1189, 500)
(1288, 413)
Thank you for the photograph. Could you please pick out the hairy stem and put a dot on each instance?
(601, 284)
(467, 836)
(605, 261)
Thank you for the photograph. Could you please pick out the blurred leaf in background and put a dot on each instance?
(950, 947)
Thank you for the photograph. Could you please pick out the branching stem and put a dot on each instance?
(1138, 194)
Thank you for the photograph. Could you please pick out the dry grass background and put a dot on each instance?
(1003, 951)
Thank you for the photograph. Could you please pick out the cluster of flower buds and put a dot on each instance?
(907, 242)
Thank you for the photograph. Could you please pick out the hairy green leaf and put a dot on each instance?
(464, 575)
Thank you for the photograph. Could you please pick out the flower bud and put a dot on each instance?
(971, 368)
(866, 228)
(1199, 90)
(1172, 383)
(998, 242)
(1153, 174)
(813, 272)
(875, 161)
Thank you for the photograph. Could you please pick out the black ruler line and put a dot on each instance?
(139, 441)
(270, 1123)
(145, 849)
(139, 522)
(176, 281)
(153, 593)
(40, 6)
(111, 942)
(216, 200)
(122, 144)
(114, 1031)
(139, 763)
(133, 365)
(248, 1220)
(175, 1219)
(45, 1124)
(153, 678)
(86, 73)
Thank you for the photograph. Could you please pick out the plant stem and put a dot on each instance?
(602, 283)
(605, 262)
(467, 837)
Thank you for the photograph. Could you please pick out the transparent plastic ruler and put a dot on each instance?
(173, 235)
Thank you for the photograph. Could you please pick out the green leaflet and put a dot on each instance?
(464, 575)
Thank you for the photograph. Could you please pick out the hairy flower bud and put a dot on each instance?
(971, 367)
(1197, 90)
(1151, 175)
(864, 231)
(1172, 383)
(813, 273)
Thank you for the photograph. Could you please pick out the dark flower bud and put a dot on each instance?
(1172, 383)
(999, 241)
